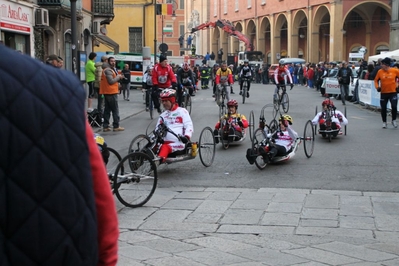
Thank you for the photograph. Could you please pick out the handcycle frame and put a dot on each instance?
(263, 137)
(330, 133)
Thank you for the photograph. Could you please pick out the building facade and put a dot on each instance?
(316, 30)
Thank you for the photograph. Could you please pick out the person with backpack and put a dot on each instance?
(345, 77)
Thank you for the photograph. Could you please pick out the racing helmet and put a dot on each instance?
(216, 65)
(287, 118)
(168, 95)
(281, 65)
(232, 103)
(327, 102)
(246, 61)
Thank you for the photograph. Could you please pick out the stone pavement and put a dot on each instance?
(265, 226)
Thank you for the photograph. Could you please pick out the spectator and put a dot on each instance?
(109, 86)
(189, 41)
(99, 72)
(60, 62)
(90, 77)
(385, 83)
(53, 60)
(126, 82)
(212, 56)
(64, 212)
(345, 77)
(181, 40)
(220, 55)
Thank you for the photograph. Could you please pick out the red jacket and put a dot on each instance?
(107, 219)
(163, 77)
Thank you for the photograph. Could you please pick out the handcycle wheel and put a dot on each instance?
(139, 143)
(285, 102)
(273, 126)
(244, 91)
(222, 110)
(135, 179)
(346, 118)
(188, 104)
(225, 142)
(259, 136)
(113, 161)
(207, 147)
(251, 125)
(308, 139)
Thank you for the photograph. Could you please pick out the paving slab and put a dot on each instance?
(322, 256)
(322, 201)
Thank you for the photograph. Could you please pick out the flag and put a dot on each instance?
(164, 9)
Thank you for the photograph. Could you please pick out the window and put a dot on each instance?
(181, 30)
(215, 8)
(135, 39)
(249, 3)
(225, 7)
(68, 51)
(236, 9)
(263, 2)
(181, 6)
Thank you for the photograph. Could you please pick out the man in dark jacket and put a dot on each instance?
(56, 203)
(345, 77)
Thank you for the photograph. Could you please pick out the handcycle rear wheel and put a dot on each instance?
(258, 137)
(251, 125)
(308, 139)
(207, 146)
(139, 143)
(135, 179)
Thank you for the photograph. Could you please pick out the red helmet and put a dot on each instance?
(232, 103)
(168, 95)
(327, 102)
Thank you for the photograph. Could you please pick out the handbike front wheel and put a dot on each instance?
(258, 137)
(138, 143)
(111, 164)
(251, 125)
(135, 179)
(308, 139)
(207, 147)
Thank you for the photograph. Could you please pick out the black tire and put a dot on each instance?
(136, 183)
(225, 142)
(273, 126)
(139, 143)
(244, 91)
(188, 104)
(251, 125)
(346, 118)
(222, 110)
(113, 161)
(285, 102)
(217, 96)
(308, 139)
(207, 147)
(151, 106)
(258, 136)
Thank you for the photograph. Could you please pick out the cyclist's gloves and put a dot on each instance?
(292, 85)
(174, 85)
(184, 139)
(379, 89)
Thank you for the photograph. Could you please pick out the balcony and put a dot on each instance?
(61, 7)
(103, 10)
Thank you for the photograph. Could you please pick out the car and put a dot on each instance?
(271, 72)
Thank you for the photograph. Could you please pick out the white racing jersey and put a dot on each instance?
(178, 121)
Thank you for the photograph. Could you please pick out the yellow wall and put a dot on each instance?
(130, 15)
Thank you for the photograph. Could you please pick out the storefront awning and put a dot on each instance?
(107, 41)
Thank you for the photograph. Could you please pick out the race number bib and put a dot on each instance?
(162, 79)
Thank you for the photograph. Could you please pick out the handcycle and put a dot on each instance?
(151, 103)
(263, 139)
(186, 99)
(282, 98)
(330, 132)
(228, 134)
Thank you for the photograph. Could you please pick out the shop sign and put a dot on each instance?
(15, 17)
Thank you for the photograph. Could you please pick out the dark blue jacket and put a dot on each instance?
(47, 208)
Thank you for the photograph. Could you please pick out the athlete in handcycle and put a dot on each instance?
(271, 146)
(231, 127)
(330, 120)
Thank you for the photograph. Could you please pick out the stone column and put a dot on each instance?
(336, 34)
